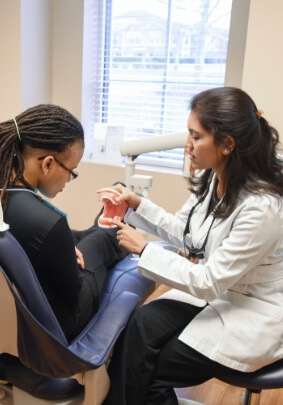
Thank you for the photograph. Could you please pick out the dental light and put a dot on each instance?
(132, 149)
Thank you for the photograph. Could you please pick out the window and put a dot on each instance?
(144, 60)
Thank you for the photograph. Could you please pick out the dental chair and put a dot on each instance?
(37, 364)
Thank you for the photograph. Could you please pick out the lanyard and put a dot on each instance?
(196, 253)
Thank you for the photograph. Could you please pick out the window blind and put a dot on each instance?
(143, 61)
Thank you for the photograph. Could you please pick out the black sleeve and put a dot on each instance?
(60, 262)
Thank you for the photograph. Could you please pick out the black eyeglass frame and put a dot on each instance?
(73, 173)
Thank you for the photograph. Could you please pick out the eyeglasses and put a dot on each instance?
(73, 173)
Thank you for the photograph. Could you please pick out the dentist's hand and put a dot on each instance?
(129, 238)
(132, 199)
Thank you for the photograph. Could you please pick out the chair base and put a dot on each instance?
(15, 396)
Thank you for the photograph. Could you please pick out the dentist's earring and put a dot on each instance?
(45, 173)
(226, 151)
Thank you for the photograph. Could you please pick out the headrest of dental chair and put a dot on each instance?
(20, 275)
(22, 278)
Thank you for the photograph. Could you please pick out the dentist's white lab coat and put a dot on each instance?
(241, 276)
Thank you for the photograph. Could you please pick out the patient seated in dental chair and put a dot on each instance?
(36, 356)
(61, 275)
(39, 152)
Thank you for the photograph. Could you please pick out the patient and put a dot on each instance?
(39, 151)
(231, 228)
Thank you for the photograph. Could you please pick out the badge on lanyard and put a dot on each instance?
(195, 254)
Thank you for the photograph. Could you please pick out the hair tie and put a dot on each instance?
(259, 113)
(17, 128)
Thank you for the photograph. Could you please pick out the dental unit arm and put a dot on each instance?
(133, 148)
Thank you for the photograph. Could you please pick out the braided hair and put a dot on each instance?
(45, 126)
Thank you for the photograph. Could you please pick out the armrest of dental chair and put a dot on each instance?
(42, 346)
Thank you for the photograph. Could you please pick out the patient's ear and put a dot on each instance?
(46, 163)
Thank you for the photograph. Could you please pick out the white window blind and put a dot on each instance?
(144, 60)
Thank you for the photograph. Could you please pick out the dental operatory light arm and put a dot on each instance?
(132, 149)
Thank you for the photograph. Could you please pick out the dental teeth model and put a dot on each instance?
(112, 208)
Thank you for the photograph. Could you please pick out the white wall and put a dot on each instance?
(256, 44)
(36, 52)
(10, 63)
(67, 54)
(256, 63)
(263, 65)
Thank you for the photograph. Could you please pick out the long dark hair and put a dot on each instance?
(45, 126)
(253, 165)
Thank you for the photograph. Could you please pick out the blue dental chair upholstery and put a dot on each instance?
(43, 360)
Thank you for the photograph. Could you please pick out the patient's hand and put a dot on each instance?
(80, 258)
(129, 238)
